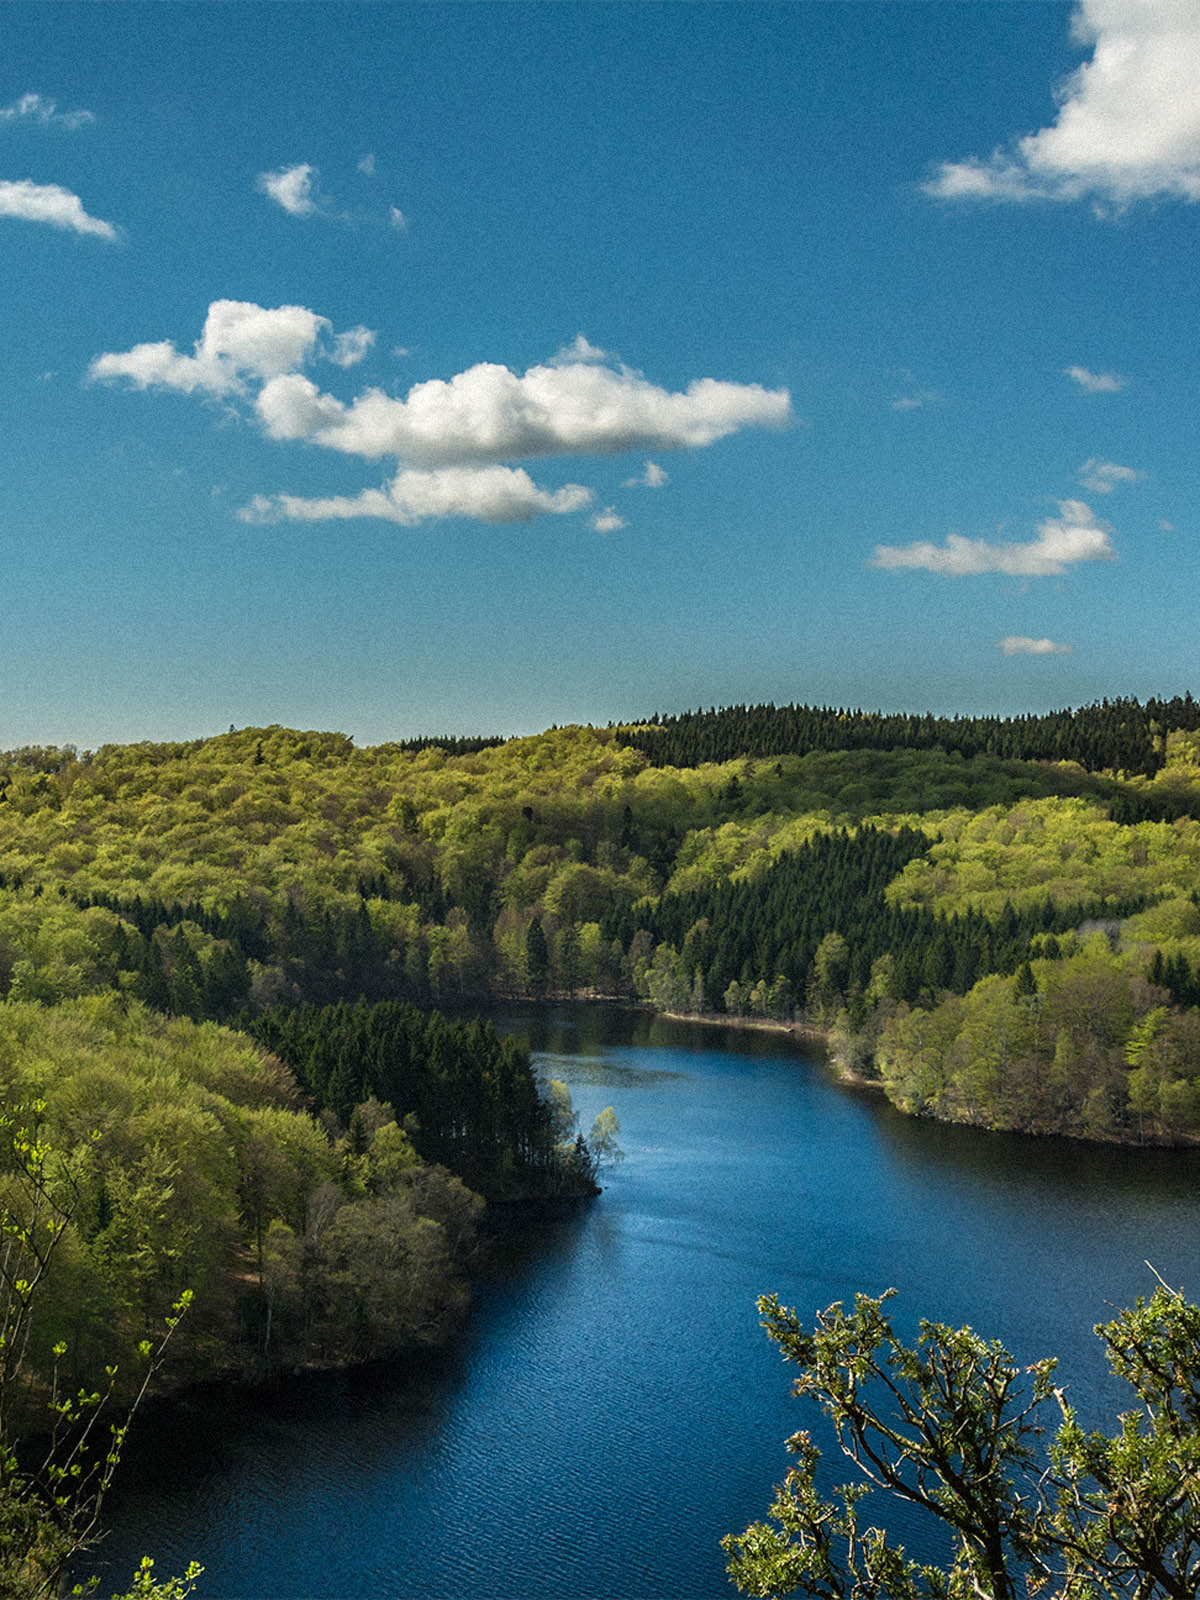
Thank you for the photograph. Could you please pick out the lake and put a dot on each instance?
(613, 1407)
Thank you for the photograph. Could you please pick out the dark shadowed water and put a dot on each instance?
(613, 1407)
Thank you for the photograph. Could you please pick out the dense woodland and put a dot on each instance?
(218, 959)
(1113, 735)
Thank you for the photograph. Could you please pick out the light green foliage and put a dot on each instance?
(562, 1112)
(829, 969)
(51, 1497)
(1056, 1059)
(146, 1587)
(951, 1424)
(602, 1139)
(1062, 849)
(189, 1160)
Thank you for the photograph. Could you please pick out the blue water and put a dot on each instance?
(613, 1407)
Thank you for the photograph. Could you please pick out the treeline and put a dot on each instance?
(1112, 735)
(468, 1098)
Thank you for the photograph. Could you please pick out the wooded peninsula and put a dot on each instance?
(224, 963)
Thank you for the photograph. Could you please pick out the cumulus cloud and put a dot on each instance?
(489, 413)
(291, 188)
(240, 341)
(453, 439)
(1017, 644)
(1062, 542)
(50, 203)
(608, 520)
(1095, 382)
(652, 476)
(1102, 477)
(36, 108)
(1128, 123)
(487, 494)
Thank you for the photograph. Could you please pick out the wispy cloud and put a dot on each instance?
(291, 188)
(36, 108)
(651, 476)
(580, 349)
(350, 347)
(1062, 542)
(366, 164)
(1128, 123)
(454, 441)
(1102, 477)
(916, 400)
(1095, 382)
(608, 520)
(52, 204)
(396, 218)
(1018, 644)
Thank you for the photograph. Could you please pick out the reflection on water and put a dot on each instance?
(613, 1407)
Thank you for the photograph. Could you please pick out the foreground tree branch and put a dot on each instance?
(951, 1424)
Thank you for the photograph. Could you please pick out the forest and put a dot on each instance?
(990, 929)
(221, 963)
(936, 894)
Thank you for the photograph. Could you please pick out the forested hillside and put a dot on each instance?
(220, 1071)
(880, 876)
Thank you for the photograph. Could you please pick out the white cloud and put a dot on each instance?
(1095, 382)
(580, 349)
(1062, 542)
(652, 476)
(36, 108)
(350, 347)
(608, 520)
(1128, 123)
(240, 341)
(1017, 644)
(366, 164)
(397, 218)
(486, 494)
(1102, 477)
(291, 188)
(488, 413)
(48, 202)
(453, 440)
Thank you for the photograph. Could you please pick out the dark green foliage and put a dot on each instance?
(537, 956)
(467, 1095)
(1115, 735)
(771, 926)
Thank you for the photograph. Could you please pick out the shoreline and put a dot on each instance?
(808, 1031)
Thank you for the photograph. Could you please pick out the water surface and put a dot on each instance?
(613, 1407)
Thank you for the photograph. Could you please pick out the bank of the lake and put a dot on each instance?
(612, 1407)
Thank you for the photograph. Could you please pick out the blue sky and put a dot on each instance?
(469, 368)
